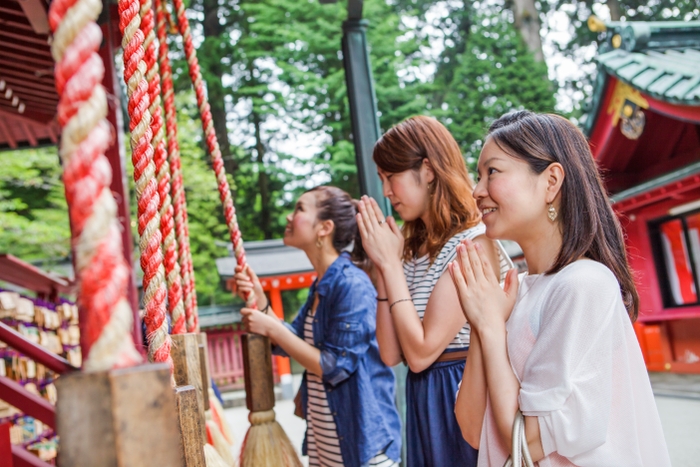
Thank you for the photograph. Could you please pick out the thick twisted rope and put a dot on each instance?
(100, 266)
(160, 158)
(148, 201)
(180, 206)
(212, 142)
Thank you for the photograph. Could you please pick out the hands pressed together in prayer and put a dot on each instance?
(485, 304)
(381, 237)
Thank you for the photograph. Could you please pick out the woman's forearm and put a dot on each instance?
(389, 346)
(503, 389)
(307, 355)
(471, 399)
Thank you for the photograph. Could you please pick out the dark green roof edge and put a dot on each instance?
(646, 46)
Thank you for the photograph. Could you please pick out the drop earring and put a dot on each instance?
(552, 212)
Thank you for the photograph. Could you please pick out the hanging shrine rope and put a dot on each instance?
(180, 206)
(212, 142)
(265, 444)
(148, 200)
(160, 158)
(101, 269)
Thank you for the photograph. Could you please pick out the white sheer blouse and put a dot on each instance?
(572, 347)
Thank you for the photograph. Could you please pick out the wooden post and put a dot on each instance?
(257, 365)
(185, 354)
(204, 367)
(191, 447)
(118, 418)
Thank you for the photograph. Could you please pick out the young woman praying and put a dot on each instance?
(559, 346)
(419, 319)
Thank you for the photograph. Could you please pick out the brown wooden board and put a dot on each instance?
(204, 367)
(187, 369)
(257, 364)
(190, 424)
(119, 418)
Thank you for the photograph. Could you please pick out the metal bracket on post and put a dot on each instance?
(363, 101)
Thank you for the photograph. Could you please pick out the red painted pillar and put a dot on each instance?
(117, 157)
(284, 368)
(5, 445)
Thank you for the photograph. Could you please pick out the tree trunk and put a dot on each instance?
(215, 88)
(527, 22)
(615, 11)
(263, 180)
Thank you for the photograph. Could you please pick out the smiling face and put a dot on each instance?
(409, 191)
(512, 198)
(303, 228)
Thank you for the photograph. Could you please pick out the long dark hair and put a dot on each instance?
(452, 206)
(335, 204)
(589, 225)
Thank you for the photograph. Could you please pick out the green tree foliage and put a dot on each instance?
(33, 212)
(485, 71)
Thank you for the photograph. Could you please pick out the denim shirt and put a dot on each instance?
(360, 389)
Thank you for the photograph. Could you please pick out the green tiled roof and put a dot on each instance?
(660, 59)
(671, 76)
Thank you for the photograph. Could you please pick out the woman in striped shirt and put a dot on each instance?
(347, 392)
(419, 320)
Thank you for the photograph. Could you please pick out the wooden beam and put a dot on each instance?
(23, 458)
(190, 424)
(35, 406)
(35, 10)
(29, 115)
(31, 37)
(34, 351)
(27, 48)
(29, 132)
(187, 371)
(22, 66)
(15, 24)
(27, 57)
(118, 418)
(8, 134)
(44, 87)
(12, 11)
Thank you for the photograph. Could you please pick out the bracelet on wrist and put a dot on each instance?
(398, 301)
(382, 299)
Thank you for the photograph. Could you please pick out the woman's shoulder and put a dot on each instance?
(586, 276)
(471, 233)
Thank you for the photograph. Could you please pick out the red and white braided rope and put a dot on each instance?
(178, 192)
(102, 272)
(212, 142)
(160, 158)
(148, 201)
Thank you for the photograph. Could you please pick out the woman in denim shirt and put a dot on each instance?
(347, 392)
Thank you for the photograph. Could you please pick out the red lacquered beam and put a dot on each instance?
(35, 406)
(23, 458)
(34, 351)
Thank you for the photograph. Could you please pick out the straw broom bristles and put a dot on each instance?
(213, 459)
(266, 444)
(217, 440)
(217, 411)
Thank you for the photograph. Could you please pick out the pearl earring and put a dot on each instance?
(552, 212)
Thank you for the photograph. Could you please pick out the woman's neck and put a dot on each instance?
(321, 259)
(541, 249)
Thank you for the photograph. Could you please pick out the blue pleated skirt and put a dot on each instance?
(433, 437)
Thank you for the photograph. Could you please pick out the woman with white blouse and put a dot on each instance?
(558, 346)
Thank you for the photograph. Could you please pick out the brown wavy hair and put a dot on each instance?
(452, 206)
(589, 225)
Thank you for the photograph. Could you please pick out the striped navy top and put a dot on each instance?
(322, 444)
(421, 276)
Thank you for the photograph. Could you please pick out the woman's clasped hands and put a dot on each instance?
(255, 321)
(484, 303)
(381, 237)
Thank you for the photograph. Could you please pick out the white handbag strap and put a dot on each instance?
(520, 452)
